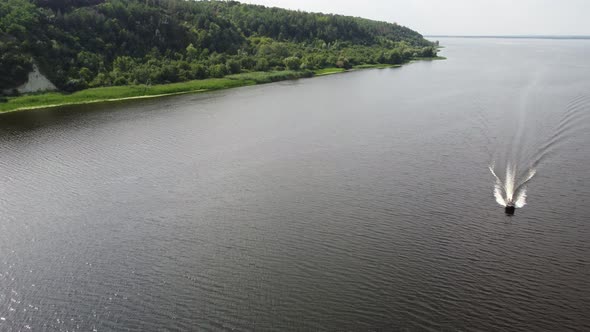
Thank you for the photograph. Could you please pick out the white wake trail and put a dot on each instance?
(508, 191)
(499, 188)
(521, 199)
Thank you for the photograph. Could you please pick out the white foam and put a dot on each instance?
(510, 191)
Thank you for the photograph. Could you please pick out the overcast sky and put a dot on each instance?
(461, 17)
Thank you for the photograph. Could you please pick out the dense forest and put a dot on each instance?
(89, 43)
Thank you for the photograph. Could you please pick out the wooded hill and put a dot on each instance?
(89, 43)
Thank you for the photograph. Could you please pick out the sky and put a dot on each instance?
(460, 17)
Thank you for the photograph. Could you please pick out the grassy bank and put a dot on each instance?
(328, 71)
(378, 66)
(430, 58)
(104, 94)
(334, 70)
(116, 93)
(261, 77)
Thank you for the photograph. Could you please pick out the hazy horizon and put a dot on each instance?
(461, 17)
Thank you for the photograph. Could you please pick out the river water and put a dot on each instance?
(359, 201)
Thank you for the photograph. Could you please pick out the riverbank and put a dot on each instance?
(129, 92)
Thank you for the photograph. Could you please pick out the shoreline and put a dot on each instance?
(53, 100)
(97, 101)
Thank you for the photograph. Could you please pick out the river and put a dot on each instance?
(357, 201)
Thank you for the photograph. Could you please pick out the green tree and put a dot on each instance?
(233, 66)
(262, 64)
(292, 63)
(248, 63)
(218, 71)
(343, 63)
(199, 71)
(192, 53)
(86, 74)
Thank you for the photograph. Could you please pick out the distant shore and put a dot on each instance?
(512, 36)
(130, 92)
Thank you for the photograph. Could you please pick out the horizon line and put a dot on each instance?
(513, 36)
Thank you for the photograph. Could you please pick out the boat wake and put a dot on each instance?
(509, 192)
(516, 168)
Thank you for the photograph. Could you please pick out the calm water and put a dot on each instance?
(360, 201)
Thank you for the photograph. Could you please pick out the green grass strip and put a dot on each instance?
(117, 93)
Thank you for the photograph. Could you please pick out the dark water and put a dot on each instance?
(360, 201)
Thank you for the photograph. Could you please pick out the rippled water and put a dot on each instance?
(360, 201)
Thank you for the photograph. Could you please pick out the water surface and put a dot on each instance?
(360, 201)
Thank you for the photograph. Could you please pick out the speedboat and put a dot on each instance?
(509, 209)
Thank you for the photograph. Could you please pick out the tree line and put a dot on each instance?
(90, 43)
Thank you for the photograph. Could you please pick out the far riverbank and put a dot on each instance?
(129, 92)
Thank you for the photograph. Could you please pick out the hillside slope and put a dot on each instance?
(89, 43)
